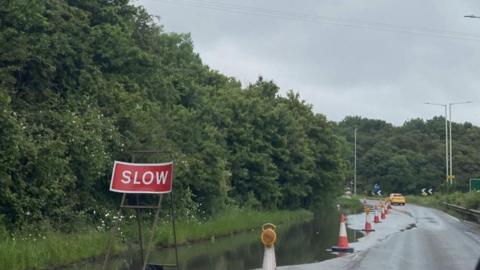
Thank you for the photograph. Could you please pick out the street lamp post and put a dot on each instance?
(450, 138)
(446, 140)
(355, 164)
(451, 149)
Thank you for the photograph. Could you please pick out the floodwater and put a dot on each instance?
(296, 244)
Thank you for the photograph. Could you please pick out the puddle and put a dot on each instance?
(297, 244)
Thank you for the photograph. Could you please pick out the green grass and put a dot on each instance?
(469, 200)
(33, 252)
(351, 204)
(431, 201)
(231, 221)
(53, 249)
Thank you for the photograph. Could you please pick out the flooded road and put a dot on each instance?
(297, 244)
(411, 237)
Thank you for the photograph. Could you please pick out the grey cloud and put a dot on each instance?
(345, 70)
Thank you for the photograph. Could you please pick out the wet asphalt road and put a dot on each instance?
(435, 241)
(439, 241)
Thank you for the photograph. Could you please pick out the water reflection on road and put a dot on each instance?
(300, 243)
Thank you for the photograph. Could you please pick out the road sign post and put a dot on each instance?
(450, 179)
(137, 179)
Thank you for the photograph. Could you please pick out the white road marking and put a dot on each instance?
(452, 217)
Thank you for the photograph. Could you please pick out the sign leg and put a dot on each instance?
(172, 212)
(154, 226)
(139, 224)
(112, 234)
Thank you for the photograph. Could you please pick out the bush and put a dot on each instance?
(472, 200)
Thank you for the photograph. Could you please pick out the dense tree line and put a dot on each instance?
(410, 157)
(84, 82)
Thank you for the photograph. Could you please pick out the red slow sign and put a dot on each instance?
(142, 178)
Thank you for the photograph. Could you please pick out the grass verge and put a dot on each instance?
(231, 221)
(54, 249)
(469, 200)
(350, 204)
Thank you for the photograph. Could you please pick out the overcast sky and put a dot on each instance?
(377, 59)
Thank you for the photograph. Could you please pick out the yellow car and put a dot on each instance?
(397, 198)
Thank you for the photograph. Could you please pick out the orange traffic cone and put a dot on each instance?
(342, 245)
(386, 207)
(376, 218)
(368, 225)
(269, 238)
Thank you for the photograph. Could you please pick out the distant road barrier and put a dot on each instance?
(465, 212)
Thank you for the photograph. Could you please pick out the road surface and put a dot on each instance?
(412, 237)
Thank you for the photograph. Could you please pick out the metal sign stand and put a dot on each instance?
(137, 206)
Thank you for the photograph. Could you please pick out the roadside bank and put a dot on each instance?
(53, 249)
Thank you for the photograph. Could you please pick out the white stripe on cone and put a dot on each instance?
(367, 220)
(342, 236)
(269, 262)
(343, 230)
